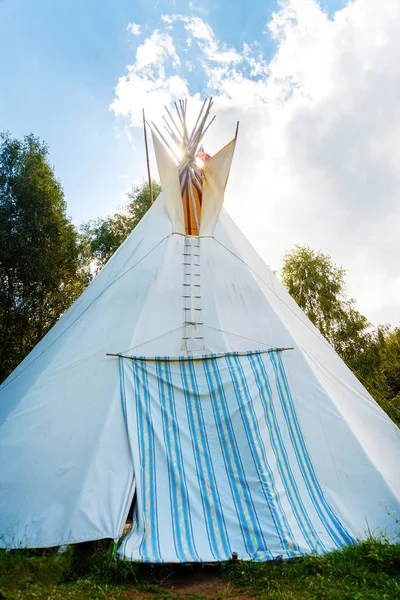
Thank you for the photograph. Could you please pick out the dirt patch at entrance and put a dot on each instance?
(197, 585)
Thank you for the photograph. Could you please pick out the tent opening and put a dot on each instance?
(131, 516)
(221, 461)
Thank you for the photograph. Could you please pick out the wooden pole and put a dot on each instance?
(237, 130)
(197, 120)
(183, 182)
(205, 131)
(175, 125)
(196, 216)
(147, 158)
(269, 351)
(199, 132)
(168, 127)
(165, 141)
(186, 196)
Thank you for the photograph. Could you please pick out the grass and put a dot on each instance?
(368, 571)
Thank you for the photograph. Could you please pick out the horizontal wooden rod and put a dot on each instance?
(203, 357)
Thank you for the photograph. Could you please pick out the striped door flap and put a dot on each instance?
(221, 462)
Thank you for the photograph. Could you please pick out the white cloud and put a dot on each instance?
(197, 28)
(154, 51)
(148, 93)
(134, 28)
(318, 158)
(206, 40)
(147, 84)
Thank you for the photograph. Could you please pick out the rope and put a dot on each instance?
(209, 326)
(152, 339)
(317, 335)
(241, 336)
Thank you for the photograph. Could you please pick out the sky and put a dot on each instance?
(315, 87)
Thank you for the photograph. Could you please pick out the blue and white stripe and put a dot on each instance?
(333, 525)
(213, 514)
(284, 468)
(253, 488)
(180, 508)
(258, 451)
(247, 516)
(150, 545)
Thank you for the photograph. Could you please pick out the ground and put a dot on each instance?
(368, 571)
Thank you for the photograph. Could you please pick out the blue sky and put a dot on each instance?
(60, 64)
(314, 85)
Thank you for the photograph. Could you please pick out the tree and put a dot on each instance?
(390, 355)
(373, 354)
(41, 270)
(389, 371)
(318, 287)
(103, 236)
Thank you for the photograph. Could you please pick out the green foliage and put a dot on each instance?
(99, 562)
(377, 366)
(44, 264)
(390, 354)
(41, 271)
(367, 571)
(318, 287)
(104, 236)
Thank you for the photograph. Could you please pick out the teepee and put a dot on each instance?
(187, 382)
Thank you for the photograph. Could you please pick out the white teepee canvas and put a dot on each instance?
(185, 377)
